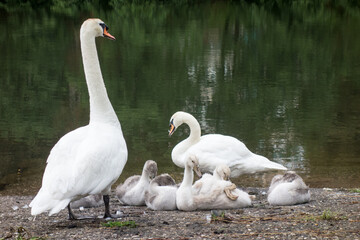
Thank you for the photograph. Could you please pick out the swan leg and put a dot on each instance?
(229, 194)
(106, 199)
(72, 216)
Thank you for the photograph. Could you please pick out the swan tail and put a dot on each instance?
(44, 202)
(266, 164)
(275, 166)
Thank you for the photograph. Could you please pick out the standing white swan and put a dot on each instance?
(89, 159)
(214, 149)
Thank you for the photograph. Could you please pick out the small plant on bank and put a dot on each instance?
(329, 215)
(355, 190)
(217, 217)
(111, 224)
(220, 217)
(326, 215)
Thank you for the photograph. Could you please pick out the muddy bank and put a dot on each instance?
(331, 214)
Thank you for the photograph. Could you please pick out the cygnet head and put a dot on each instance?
(222, 171)
(193, 163)
(94, 27)
(150, 168)
(177, 119)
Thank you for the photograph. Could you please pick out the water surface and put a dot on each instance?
(285, 83)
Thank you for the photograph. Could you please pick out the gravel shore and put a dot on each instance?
(331, 214)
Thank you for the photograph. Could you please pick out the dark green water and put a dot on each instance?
(285, 83)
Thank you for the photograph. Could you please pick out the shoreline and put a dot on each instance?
(331, 214)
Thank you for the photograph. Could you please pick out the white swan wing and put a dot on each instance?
(57, 173)
(100, 160)
(81, 163)
(215, 149)
(60, 161)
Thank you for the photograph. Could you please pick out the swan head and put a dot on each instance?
(150, 168)
(94, 27)
(177, 119)
(193, 163)
(223, 171)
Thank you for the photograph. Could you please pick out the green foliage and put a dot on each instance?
(327, 215)
(355, 190)
(284, 82)
(277, 6)
(111, 224)
(215, 216)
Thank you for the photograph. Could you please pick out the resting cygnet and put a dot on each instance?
(188, 199)
(288, 189)
(161, 194)
(132, 191)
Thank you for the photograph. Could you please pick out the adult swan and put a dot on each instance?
(212, 150)
(89, 159)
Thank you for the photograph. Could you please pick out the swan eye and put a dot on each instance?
(103, 25)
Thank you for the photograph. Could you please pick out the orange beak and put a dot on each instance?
(108, 35)
(172, 129)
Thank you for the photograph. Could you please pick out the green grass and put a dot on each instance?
(355, 190)
(111, 224)
(327, 215)
(221, 216)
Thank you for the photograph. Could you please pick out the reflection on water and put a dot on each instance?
(287, 85)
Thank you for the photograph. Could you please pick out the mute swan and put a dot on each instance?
(89, 159)
(132, 191)
(288, 189)
(215, 149)
(161, 194)
(187, 198)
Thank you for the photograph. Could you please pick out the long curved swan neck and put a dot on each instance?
(195, 130)
(101, 109)
(145, 177)
(188, 177)
(194, 137)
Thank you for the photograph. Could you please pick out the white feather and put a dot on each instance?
(161, 194)
(288, 189)
(132, 191)
(214, 149)
(89, 159)
(190, 198)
